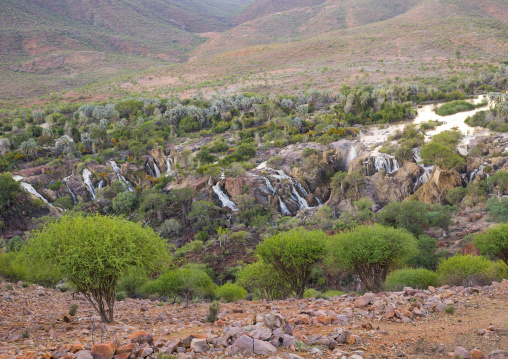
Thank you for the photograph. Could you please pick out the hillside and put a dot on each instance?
(66, 44)
(260, 8)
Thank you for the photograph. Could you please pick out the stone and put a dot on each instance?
(103, 351)
(243, 345)
(171, 346)
(199, 345)
(145, 352)
(84, 354)
(77, 347)
(263, 348)
(362, 302)
(294, 356)
(262, 333)
(461, 353)
(355, 356)
(324, 320)
(315, 351)
(476, 354)
(498, 354)
(141, 337)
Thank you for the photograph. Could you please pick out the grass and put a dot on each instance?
(449, 309)
(454, 107)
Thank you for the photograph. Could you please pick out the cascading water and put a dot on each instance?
(101, 184)
(29, 188)
(382, 161)
(169, 165)
(126, 183)
(283, 207)
(224, 198)
(150, 171)
(66, 181)
(87, 178)
(476, 172)
(302, 203)
(351, 155)
(427, 170)
(156, 169)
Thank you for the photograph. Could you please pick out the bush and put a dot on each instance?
(454, 107)
(494, 242)
(230, 292)
(470, 271)
(414, 278)
(239, 236)
(131, 284)
(498, 210)
(213, 311)
(313, 293)
(73, 309)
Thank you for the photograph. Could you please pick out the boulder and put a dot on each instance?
(243, 345)
(440, 182)
(141, 337)
(103, 351)
(199, 345)
(263, 348)
(498, 354)
(84, 354)
(461, 353)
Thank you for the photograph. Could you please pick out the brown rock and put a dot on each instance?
(77, 347)
(476, 354)
(325, 320)
(461, 353)
(103, 351)
(141, 337)
(362, 302)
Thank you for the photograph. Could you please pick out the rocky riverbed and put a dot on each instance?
(35, 323)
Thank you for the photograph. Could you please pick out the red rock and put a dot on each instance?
(103, 351)
(141, 337)
(362, 302)
(77, 347)
(220, 324)
(322, 319)
(476, 354)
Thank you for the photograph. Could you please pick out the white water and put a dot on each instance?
(101, 184)
(126, 183)
(374, 136)
(157, 170)
(382, 161)
(66, 181)
(150, 171)
(283, 207)
(224, 198)
(427, 170)
(87, 178)
(169, 165)
(351, 155)
(29, 188)
(302, 203)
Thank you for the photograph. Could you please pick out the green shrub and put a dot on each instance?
(239, 236)
(333, 293)
(131, 284)
(494, 241)
(313, 293)
(64, 202)
(73, 309)
(230, 292)
(498, 210)
(121, 296)
(469, 271)
(192, 247)
(414, 278)
(213, 312)
(449, 309)
(454, 107)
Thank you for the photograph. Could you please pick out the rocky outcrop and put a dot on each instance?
(135, 173)
(441, 181)
(159, 157)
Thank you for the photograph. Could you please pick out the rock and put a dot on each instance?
(476, 354)
(263, 348)
(325, 320)
(84, 354)
(294, 356)
(103, 351)
(362, 302)
(355, 356)
(171, 346)
(145, 352)
(243, 345)
(261, 333)
(498, 354)
(199, 345)
(77, 347)
(40, 293)
(461, 353)
(141, 337)
(440, 182)
(316, 351)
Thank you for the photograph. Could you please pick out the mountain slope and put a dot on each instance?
(261, 8)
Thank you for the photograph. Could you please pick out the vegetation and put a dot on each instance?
(413, 278)
(230, 292)
(453, 107)
(294, 254)
(470, 271)
(94, 252)
(494, 242)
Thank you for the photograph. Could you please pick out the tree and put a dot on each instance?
(183, 282)
(294, 254)
(230, 292)
(372, 251)
(410, 215)
(93, 252)
(263, 280)
(30, 147)
(355, 180)
(441, 155)
(338, 181)
(125, 202)
(9, 190)
(494, 241)
(499, 182)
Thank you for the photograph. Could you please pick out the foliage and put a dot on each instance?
(230, 292)
(413, 278)
(498, 209)
(15, 244)
(125, 202)
(443, 156)
(213, 312)
(410, 215)
(494, 241)
(372, 251)
(183, 282)
(264, 281)
(294, 254)
(9, 190)
(94, 252)
(469, 271)
(426, 256)
(456, 106)
(73, 309)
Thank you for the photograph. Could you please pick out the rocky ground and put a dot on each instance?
(35, 323)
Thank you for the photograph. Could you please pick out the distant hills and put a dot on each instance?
(50, 45)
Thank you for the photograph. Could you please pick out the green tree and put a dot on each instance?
(410, 215)
(183, 282)
(455, 195)
(125, 202)
(294, 254)
(498, 209)
(494, 241)
(499, 182)
(443, 156)
(338, 181)
(426, 256)
(372, 251)
(94, 252)
(9, 190)
(263, 280)
(355, 180)
(230, 292)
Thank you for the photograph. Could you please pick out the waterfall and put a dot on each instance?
(224, 198)
(351, 155)
(427, 170)
(476, 172)
(87, 178)
(169, 164)
(66, 181)
(283, 207)
(156, 169)
(302, 203)
(29, 188)
(122, 179)
(150, 171)
(101, 184)
(382, 161)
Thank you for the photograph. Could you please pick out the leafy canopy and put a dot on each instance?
(94, 252)
(494, 241)
(294, 254)
(371, 251)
